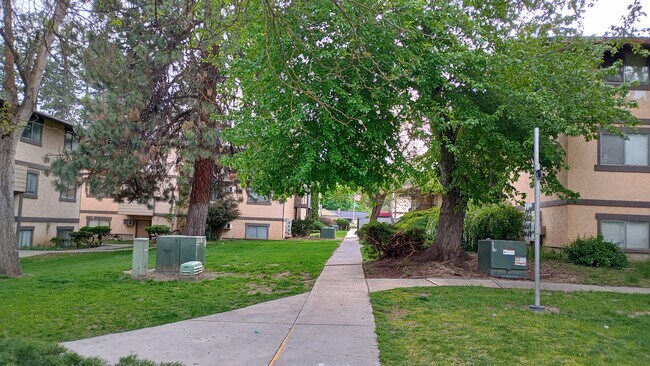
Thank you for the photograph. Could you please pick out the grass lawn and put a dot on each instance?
(72, 296)
(636, 274)
(482, 326)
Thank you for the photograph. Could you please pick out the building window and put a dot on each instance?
(631, 151)
(69, 195)
(64, 233)
(33, 132)
(628, 234)
(255, 198)
(257, 231)
(25, 238)
(98, 221)
(94, 191)
(634, 70)
(32, 185)
(71, 141)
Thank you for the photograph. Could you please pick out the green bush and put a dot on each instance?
(343, 224)
(156, 230)
(319, 225)
(499, 222)
(58, 242)
(302, 228)
(405, 243)
(426, 220)
(375, 236)
(90, 236)
(19, 352)
(328, 222)
(596, 252)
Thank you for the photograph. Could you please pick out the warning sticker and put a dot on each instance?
(508, 252)
(520, 261)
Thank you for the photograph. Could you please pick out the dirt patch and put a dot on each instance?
(255, 289)
(415, 268)
(164, 277)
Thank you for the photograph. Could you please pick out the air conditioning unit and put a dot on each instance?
(128, 222)
(228, 226)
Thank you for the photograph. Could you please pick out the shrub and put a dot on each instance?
(319, 225)
(328, 222)
(596, 252)
(220, 213)
(90, 236)
(499, 222)
(343, 224)
(58, 242)
(156, 230)
(405, 243)
(426, 220)
(302, 228)
(375, 236)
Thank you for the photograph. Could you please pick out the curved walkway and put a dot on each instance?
(332, 325)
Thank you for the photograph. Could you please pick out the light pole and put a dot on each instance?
(538, 177)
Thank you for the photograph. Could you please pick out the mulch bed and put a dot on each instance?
(416, 268)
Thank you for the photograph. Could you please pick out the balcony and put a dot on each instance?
(134, 209)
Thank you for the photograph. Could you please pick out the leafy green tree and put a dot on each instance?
(338, 198)
(338, 88)
(24, 60)
(221, 212)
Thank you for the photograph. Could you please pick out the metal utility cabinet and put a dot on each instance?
(173, 250)
(140, 257)
(327, 233)
(502, 258)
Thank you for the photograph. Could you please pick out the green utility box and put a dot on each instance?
(172, 250)
(328, 233)
(502, 258)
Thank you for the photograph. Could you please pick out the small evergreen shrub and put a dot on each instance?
(58, 242)
(498, 222)
(90, 236)
(302, 228)
(319, 225)
(596, 252)
(156, 230)
(426, 220)
(343, 224)
(405, 243)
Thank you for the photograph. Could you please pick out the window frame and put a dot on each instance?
(31, 239)
(59, 229)
(247, 225)
(610, 59)
(30, 140)
(622, 168)
(99, 218)
(73, 136)
(600, 217)
(68, 199)
(249, 202)
(28, 194)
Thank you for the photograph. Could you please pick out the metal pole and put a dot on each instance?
(538, 176)
(354, 196)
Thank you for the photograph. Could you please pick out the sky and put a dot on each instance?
(604, 13)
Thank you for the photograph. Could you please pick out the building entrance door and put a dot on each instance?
(139, 228)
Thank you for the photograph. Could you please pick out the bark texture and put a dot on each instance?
(9, 263)
(379, 199)
(197, 212)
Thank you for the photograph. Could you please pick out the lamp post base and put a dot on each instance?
(537, 309)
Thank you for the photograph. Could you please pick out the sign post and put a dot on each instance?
(538, 176)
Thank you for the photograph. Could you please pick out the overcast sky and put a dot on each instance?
(604, 13)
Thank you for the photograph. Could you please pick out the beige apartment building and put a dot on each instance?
(42, 212)
(612, 175)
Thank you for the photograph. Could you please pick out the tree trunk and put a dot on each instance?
(379, 199)
(315, 202)
(197, 211)
(9, 262)
(448, 243)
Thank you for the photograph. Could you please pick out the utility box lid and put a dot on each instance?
(192, 268)
(503, 258)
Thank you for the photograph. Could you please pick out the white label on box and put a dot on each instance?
(508, 252)
(520, 261)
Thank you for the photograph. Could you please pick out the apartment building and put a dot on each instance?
(612, 175)
(126, 220)
(263, 218)
(42, 212)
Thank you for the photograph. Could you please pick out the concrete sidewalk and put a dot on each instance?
(333, 325)
(380, 284)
